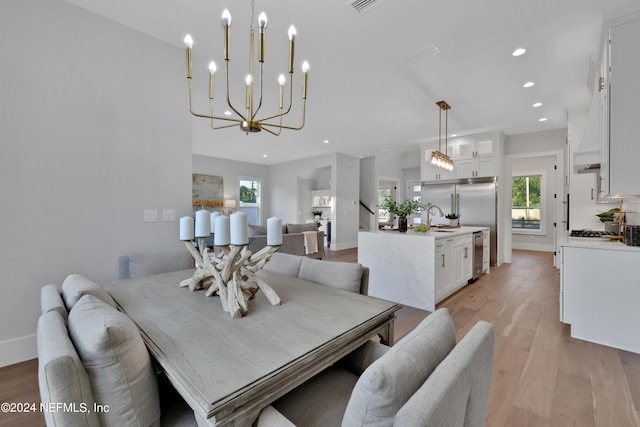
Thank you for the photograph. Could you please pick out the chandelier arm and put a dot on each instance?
(278, 126)
(205, 116)
(271, 132)
(304, 110)
(227, 89)
(290, 103)
(260, 102)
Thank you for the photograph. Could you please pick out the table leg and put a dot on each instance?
(386, 336)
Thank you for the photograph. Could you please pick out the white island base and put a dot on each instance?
(417, 269)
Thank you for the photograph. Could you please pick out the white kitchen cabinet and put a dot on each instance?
(599, 293)
(444, 265)
(620, 172)
(463, 265)
(476, 157)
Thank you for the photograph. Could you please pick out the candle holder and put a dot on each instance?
(231, 274)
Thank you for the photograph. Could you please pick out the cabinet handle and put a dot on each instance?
(601, 84)
(442, 260)
(592, 194)
(466, 252)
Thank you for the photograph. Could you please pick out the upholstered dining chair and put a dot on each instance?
(425, 379)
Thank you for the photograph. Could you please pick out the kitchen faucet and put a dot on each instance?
(429, 207)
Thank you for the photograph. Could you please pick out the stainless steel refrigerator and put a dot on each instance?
(474, 199)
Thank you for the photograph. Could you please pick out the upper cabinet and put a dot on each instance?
(620, 171)
(474, 156)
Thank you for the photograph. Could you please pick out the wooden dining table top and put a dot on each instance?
(228, 369)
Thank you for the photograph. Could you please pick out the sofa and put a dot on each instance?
(348, 276)
(425, 379)
(292, 239)
(93, 366)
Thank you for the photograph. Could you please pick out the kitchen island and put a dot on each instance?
(599, 291)
(420, 269)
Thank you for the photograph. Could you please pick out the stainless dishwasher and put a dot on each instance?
(478, 246)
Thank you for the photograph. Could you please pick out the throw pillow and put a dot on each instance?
(117, 362)
(388, 383)
(341, 275)
(75, 286)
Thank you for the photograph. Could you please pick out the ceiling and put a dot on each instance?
(365, 97)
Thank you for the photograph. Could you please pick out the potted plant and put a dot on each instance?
(453, 219)
(317, 216)
(402, 210)
(612, 219)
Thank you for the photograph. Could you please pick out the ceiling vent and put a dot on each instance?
(422, 54)
(362, 6)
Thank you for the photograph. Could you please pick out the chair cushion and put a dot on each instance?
(257, 230)
(388, 383)
(285, 264)
(117, 361)
(321, 401)
(75, 286)
(61, 375)
(299, 228)
(51, 300)
(341, 275)
(155, 262)
(457, 392)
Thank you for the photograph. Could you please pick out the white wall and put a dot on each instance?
(94, 131)
(535, 142)
(230, 170)
(347, 179)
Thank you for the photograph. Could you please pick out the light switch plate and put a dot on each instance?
(168, 214)
(150, 215)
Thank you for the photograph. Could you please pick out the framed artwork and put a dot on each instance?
(207, 192)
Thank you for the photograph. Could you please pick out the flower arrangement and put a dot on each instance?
(404, 209)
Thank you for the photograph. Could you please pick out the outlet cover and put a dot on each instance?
(168, 215)
(150, 215)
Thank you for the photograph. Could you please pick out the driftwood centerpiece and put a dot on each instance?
(230, 274)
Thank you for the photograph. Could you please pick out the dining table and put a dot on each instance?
(228, 369)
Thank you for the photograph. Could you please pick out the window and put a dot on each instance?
(527, 200)
(415, 193)
(383, 215)
(250, 195)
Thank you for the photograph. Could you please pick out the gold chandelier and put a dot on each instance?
(247, 121)
(437, 157)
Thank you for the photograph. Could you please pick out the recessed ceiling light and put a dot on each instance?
(544, 119)
(227, 113)
(326, 141)
(453, 134)
(264, 155)
(537, 104)
(528, 84)
(519, 51)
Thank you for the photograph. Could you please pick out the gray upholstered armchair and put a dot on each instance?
(425, 379)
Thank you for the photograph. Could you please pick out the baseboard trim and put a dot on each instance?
(18, 350)
(342, 246)
(532, 247)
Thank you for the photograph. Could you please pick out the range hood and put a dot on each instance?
(587, 156)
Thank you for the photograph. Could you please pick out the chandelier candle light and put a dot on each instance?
(437, 157)
(247, 121)
(229, 271)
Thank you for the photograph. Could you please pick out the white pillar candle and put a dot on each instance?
(186, 228)
(221, 231)
(239, 228)
(274, 231)
(214, 214)
(203, 224)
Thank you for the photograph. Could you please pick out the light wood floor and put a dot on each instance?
(542, 376)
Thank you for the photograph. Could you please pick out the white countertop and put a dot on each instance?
(435, 232)
(598, 243)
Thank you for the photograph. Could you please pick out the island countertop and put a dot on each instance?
(436, 232)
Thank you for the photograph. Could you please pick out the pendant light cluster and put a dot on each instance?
(247, 120)
(437, 157)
